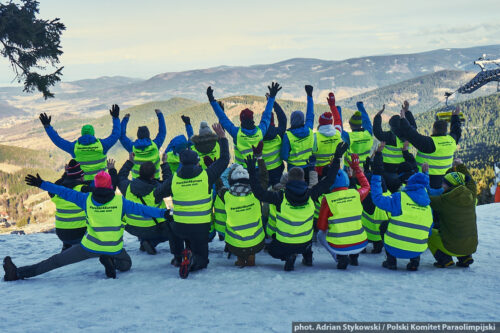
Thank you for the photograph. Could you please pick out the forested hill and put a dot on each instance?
(479, 146)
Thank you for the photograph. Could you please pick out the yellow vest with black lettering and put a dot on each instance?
(393, 154)
(244, 145)
(68, 214)
(192, 199)
(214, 154)
(219, 215)
(91, 158)
(372, 222)
(141, 221)
(271, 153)
(294, 224)
(440, 160)
(244, 220)
(360, 143)
(326, 146)
(148, 154)
(344, 226)
(105, 227)
(173, 161)
(300, 148)
(410, 230)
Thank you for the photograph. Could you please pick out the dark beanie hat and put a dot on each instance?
(394, 121)
(440, 127)
(73, 170)
(297, 119)
(246, 114)
(143, 132)
(189, 157)
(296, 173)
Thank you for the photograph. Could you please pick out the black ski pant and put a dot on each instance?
(70, 237)
(196, 235)
(281, 250)
(155, 235)
(74, 254)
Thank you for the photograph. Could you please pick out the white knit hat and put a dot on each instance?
(239, 173)
(204, 129)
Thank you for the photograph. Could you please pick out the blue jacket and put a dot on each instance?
(416, 190)
(366, 123)
(233, 130)
(69, 147)
(80, 199)
(300, 132)
(142, 143)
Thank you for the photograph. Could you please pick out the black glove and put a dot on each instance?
(273, 89)
(251, 161)
(33, 181)
(309, 90)
(115, 111)
(378, 164)
(45, 119)
(366, 165)
(312, 161)
(340, 150)
(208, 160)
(186, 120)
(167, 214)
(210, 94)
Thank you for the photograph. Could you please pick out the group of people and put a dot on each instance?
(338, 189)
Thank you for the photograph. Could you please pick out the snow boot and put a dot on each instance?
(10, 270)
(413, 264)
(150, 249)
(251, 260)
(176, 261)
(240, 262)
(377, 247)
(364, 250)
(307, 256)
(221, 237)
(290, 262)
(353, 259)
(465, 261)
(342, 261)
(109, 266)
(443, 260)
(389, 265)
(186, 264)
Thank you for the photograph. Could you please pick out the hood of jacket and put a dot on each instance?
(327, 130)
(459, 196)
(142, 143)
(300, 132)
(189, 171)
(102, 195)
(297, 192)
(87, 139)
(141, 187)
(177, 144)
(417, 189)
(247, 131)
(204, 143)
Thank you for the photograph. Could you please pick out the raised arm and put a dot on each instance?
(423, 143)
(324, 185)
(219, 112)
(280, 114)
(68, 194)
(260, 193)
(364, 190)
(123, 174)
(108, 142)
(130, 207)
(162, 129)
(381, 135)
(266, 116)
(216, 169)
(390, 203)
(365, 118)
(337, 120)
(455, 127)
(124, 140)
(60, 143)
(344, 134)
(310, 107)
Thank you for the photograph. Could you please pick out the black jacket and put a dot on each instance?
(388, 136)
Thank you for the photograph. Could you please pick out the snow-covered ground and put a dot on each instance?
(151, 296)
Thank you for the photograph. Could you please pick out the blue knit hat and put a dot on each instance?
(342, 180)
(297, 119)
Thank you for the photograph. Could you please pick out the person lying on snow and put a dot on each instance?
(104, 237)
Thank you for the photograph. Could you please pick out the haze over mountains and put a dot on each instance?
(347, 78)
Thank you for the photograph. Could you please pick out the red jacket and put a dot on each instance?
(325, 212)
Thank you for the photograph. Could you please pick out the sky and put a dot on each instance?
(148, 37)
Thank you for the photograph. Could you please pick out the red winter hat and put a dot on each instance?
(326, 119)
(272, 120)
(103, 180)
(246, 114)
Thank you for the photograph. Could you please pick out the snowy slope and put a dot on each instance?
(151, 297)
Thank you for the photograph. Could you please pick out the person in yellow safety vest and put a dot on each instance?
(244, 233)
(70, 220)
(294, 210)
(340, 229)
(87, 150)
(436, 150)
(148, 190)
(360, 139)
(272, 145)
(104, 237)
(206, 144)
(405, 235)
(298, 142)
(144, 148)
(178, 144)
(248, 134)
(191, 189)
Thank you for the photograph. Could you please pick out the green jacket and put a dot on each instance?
(457, 216)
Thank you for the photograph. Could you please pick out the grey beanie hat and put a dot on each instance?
(204, 129)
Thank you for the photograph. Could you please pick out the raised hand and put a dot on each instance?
(257, 151)
(381, 111)
(110, 163)
(127, 115)
(186, 120)
(250, 161)
(157, 111)
(219, 130)
(273, 89)
(402, 114)
(309, 90)
(312, 161)
(354, 162)
(208, 161)
(405, 106)
(115, 111)
(456, 112)
(381, 146)
(210, 94)
(33, 181)
(406, 144)
(331, 99)
(45, 119)
(340, 150)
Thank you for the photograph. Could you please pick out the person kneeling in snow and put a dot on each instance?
(104, 236)
(341, 231)
(405, 236)
(294, 210)
(456, 208)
